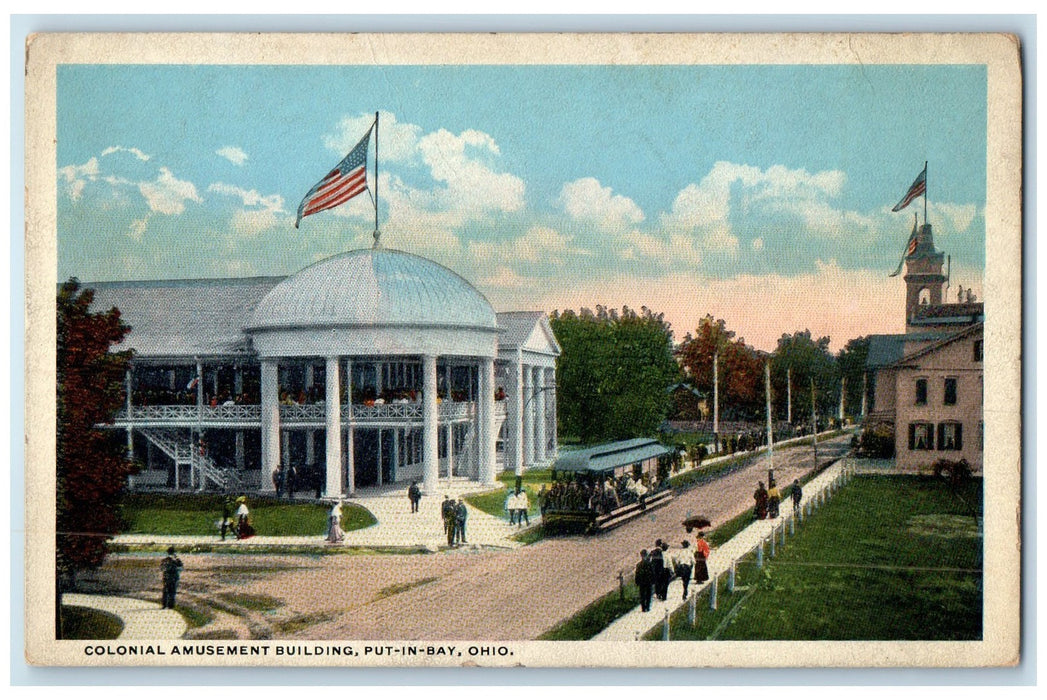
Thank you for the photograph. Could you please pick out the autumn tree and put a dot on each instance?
(740, 368)
(92, 467)
(613, 373)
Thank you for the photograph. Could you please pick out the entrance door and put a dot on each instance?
(365, 457)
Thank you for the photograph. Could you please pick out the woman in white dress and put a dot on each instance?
(334, 533)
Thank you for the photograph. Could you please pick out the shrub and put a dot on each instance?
(877, 441)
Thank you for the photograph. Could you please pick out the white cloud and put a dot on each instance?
(167, 194)
(123, 149)
(955, 218)
(398, 139)
(757, 244)
(257, 213)
(462, 164)
(138, 228)
(77, 176)
(540, 245)
(233, 154)
(586, 199)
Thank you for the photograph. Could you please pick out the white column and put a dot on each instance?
(528, 417)
(349, 457)
(514, 398)
(430, 446)
(550, 381)
(449, 437)
(539, 415)
(270, 410)
(333, 426)
(486, 409)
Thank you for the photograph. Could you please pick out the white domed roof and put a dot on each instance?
(374, 287)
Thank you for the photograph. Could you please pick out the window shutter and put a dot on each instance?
(912, 436)
(959, 436)
(941, 436)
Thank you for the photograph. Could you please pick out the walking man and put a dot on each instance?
(510, 506)
(171, 570)
(461, 514)
(657, 569)
(797, 494)
(683, 563)
(449, 512)
(644, 578)
(414, 495)
(522, 506)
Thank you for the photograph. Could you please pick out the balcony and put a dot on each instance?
(241, 416)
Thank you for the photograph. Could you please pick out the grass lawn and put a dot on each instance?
(493, 501)
(196, 514)
(88, 623)
(887, 558)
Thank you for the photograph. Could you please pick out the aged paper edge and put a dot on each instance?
(1002, 285)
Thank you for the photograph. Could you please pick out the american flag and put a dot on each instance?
(919, 186)
(340, 185)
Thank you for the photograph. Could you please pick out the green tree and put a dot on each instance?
(807, 358)
(92, 467)
(613, 374)
(851, 363)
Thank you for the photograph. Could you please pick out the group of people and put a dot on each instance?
(454, 515)
(659, 566)
(600, 496)
(239, 523)
(768, 500)
(517, 504)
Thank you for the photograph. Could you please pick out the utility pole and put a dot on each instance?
(814, 422)
(716, 400)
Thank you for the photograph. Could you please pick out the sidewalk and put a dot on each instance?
(142, 619)
(634, 624)
(397, 526)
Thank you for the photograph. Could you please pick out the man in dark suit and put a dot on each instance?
(449, 512)
(461, 514)
(644, 579)
(657, 569)
(171, 569)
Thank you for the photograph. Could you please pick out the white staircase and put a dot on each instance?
(177, 443)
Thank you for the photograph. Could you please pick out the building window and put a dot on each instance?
(950, 436)
(921, 392)
(921, 436)
(978, 350)
(950, 391)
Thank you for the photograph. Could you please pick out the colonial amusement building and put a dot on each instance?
(926, 384)
(370, 367)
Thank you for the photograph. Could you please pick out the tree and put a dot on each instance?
(92, 467)
(807, 359)
(740, 368)
(613, 373)
(851, 362)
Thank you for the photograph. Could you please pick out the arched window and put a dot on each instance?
(924, 296)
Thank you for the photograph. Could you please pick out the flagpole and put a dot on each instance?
(376, 180)
(924, 189)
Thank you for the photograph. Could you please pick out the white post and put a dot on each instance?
(270, 414)
(528, 417)
(716, 399)
(539, 411)
(514, 402)
(430, 446)
(692, 610)
(713, 586)
(843, 395)
(550, 381)
(350, 434)
(665, 627)
(487, 437)
(730, 578)
(333, 427)
(449, 439)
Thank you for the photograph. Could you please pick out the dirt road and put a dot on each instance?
(479, 595)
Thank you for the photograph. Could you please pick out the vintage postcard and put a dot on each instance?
(523, 350)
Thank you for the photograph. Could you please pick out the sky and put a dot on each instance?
(759, 194)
